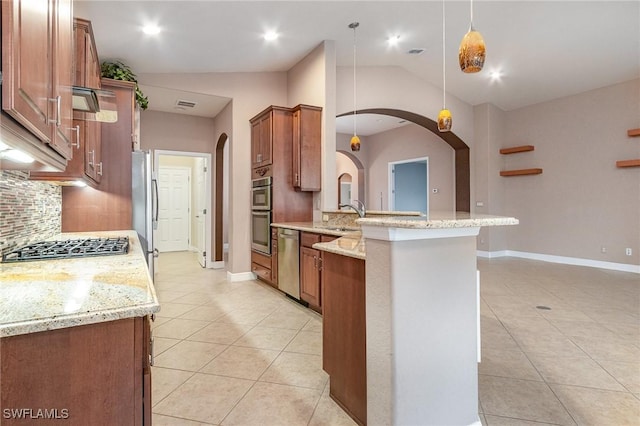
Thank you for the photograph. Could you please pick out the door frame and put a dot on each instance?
(391, 180)
(156, 162)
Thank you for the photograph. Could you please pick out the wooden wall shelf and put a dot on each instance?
(521, 172)
(633, 132)
(516, 149)
(628, 163)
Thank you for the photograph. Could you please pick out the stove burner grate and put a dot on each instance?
(69, 249)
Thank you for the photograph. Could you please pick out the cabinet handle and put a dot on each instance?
(315, 262)
(58, 101)
(319, 264)
(91, 158)
(77, 130)
(151, 352)
(258, 158)
(297, 179)
(99, 168)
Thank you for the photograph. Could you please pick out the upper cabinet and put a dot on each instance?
(86, 164)
(261, 139)
(37, 93)
(307, 128)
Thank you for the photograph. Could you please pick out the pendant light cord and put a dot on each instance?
(354, 25)
(444, 78)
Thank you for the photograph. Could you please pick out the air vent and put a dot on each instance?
(185, 104)
(416, 51)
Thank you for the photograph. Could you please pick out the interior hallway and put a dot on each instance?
(243, 354)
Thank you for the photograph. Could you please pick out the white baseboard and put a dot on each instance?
(622, 267)
(240, 276)
(218, 264)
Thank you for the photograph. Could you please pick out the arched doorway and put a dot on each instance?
(462, 161)
(360, 179)
(218, 247)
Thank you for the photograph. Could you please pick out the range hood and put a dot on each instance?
(94, 104)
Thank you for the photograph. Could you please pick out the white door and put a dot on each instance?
(201, 210)
(173, 208)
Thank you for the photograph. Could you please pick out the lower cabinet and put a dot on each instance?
(311, 269)
(94, 374)
(261, 265)
(344, 355)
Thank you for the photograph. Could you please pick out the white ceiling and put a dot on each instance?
(545, 49)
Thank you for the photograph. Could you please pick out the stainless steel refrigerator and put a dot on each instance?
(145, 204)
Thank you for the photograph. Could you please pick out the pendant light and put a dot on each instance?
(355, 140)
(444, 117)
(472, 50)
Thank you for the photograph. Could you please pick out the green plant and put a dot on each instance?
(119, 71)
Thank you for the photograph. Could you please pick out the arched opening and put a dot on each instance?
(218, 247)
(344, 188)
(359, 188)
(462, 161)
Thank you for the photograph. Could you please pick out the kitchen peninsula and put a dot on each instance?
(419, 306)
(75, 337)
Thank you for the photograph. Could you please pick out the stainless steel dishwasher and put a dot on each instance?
(289, 262)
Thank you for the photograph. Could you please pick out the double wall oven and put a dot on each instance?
(261, 215)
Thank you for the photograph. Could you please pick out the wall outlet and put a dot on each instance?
(628, 251)
(603, 249)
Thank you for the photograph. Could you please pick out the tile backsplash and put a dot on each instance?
(29, 210)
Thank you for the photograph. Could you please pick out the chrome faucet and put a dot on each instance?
(358, 206)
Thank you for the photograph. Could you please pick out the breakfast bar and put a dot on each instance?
(420, 307)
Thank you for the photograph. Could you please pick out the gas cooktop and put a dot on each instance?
(69, 249)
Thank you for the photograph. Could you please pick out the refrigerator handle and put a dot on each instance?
(154, 182)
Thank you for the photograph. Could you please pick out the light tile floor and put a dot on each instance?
(243, 354)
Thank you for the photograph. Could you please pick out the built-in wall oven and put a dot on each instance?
(261, 215)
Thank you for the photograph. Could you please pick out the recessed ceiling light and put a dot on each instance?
(393, 40)
(495, 75)
(151, 29)
(270, 35)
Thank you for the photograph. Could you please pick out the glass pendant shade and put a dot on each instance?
(444, 120)
(355, 143)
(472, 52)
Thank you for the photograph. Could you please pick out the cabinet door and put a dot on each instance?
(265, 140)
(26, 70)
(310, 276)
(296, 149)
(92, 150)
(62, 78)
(306, 148)
(255, 144)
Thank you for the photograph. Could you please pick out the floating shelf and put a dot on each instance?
(628, 163)
(516, 149)
(633, 132)
(521, 172)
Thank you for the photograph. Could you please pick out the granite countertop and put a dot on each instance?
(58, 293)
(438, 220)
(319, 228)
(349, 245)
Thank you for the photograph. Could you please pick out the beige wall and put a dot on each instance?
(312, 81)
(251, 93)
(178, 132)
(224, 124)
(345, 165)
(581, 202)
(405, 143)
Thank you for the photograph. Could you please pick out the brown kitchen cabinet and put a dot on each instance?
(261, 265)
(86, 164)
(37, 74)
(109, 206)
(90, 374)
(344, 332)
(311, 265)
(262, 139)
(307, 131)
